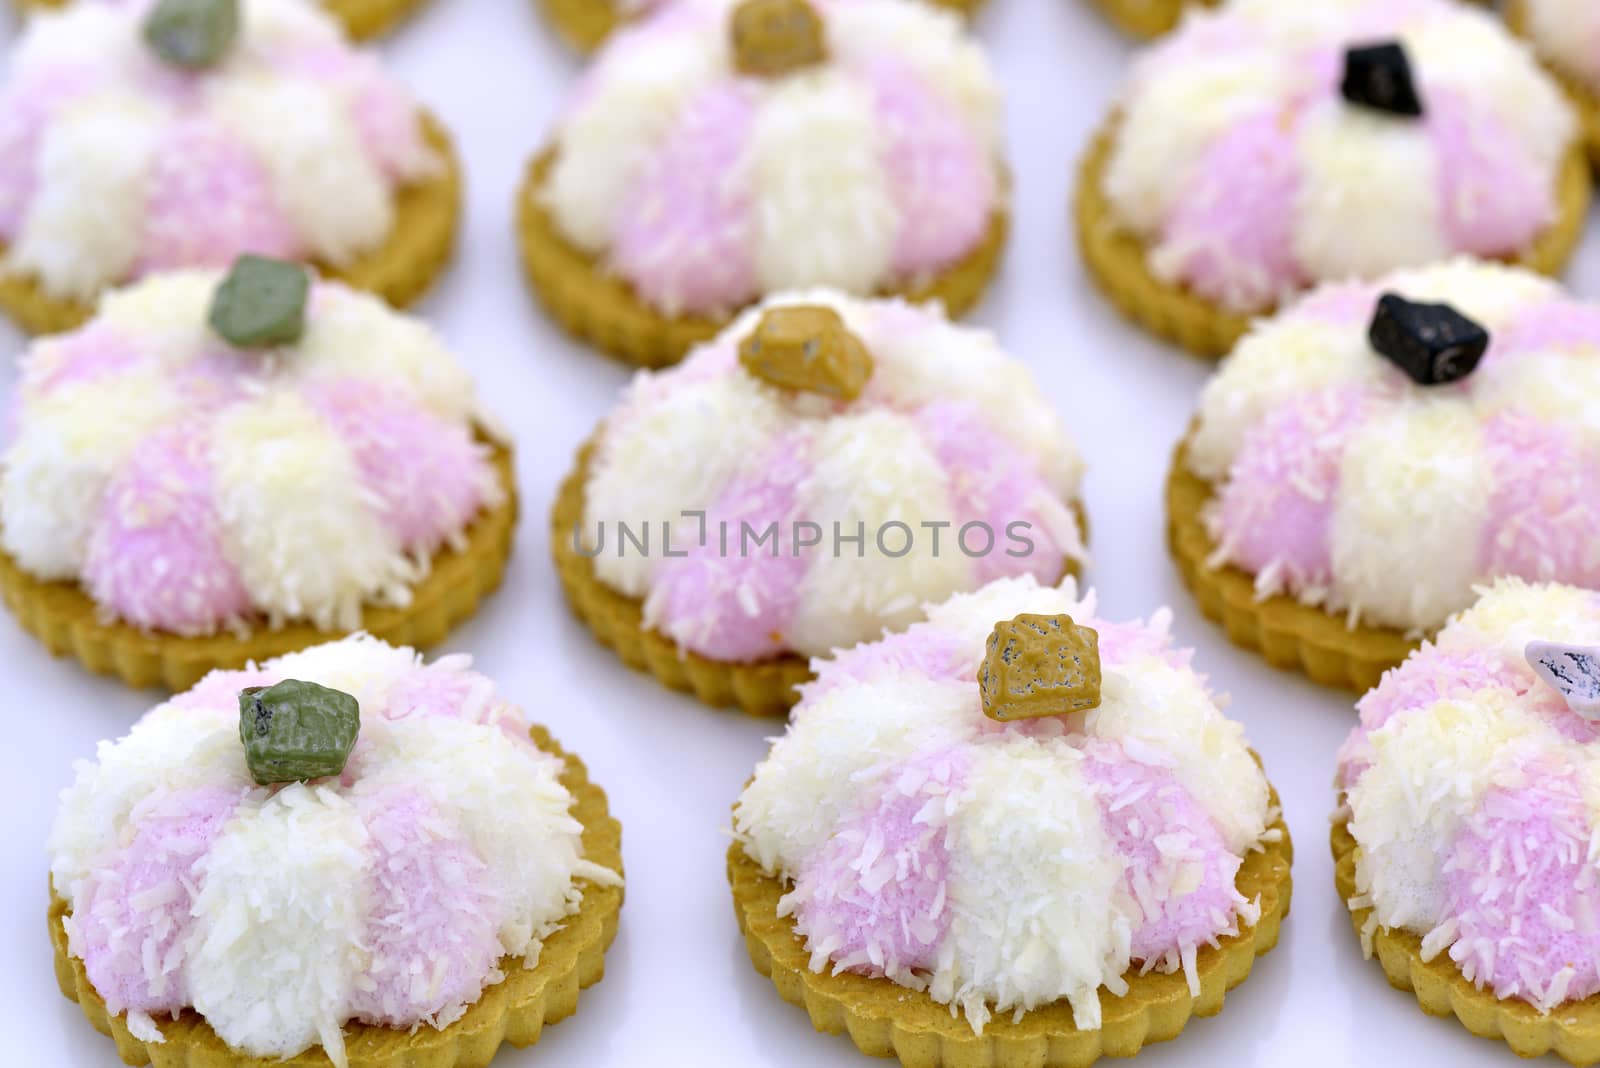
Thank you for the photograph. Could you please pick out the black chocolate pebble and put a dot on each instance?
(1432, 343)
(1378, 76)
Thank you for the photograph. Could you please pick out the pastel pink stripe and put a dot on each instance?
(1519, 866)
(428, 475)
(432, 915)
(1138, 804)
(1276, 509)
(877, 892)
(218, 692)
(991, 481)
(133, 914)
(207, 200)
(90, 352)
(155, 555)
(446, 691)
(1429, 675)
(942, 176)
(1561, 325)
(685, 238)
(922, 651)
(736, 602)
(1230, 236)
(1544, 510)
(26, 109)
(1493, 199)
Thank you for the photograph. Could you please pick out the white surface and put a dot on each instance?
(679, 988)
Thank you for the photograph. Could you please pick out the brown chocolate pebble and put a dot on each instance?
(1040, 666)
(771, 38)
(807, 347)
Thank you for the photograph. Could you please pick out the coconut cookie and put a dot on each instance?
(1014, 843)
(223, 468)
(1365, 459)
(818, 472)
(343, 848)
(1463, 840)
(1566, 36)
(584, 24)
(1267, 147)
(722, 150)
(142, 137)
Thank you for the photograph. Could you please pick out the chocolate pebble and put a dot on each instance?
(1572, 670)
(807, 347)
(261, 302)
(1039, 666)
(295, 731)
(1432, 343)
(1378, 76)
(192, 34)
(771, 38)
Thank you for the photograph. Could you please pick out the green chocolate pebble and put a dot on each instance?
(261, 302)
(295, 730)
(192, 34)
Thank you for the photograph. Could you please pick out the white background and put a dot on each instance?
(679, 988)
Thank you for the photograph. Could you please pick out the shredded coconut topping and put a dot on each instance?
(388, 895)
(722, 473)
(1249, 177)
(705, 190)
(1343, 483)
(116, 165)
(1472, 791)
(190, 487)
(1002, 866)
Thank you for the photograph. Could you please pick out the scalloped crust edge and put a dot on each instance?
(1118, 261)
(598, 307)
(1572, 1031)
(765, 688)
(1289, 634)
(886, 1020)
(585, 24)
(362, 19)
(68, 622)
(514, 1010)
(427, 215)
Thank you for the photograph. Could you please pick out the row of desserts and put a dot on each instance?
(893, 836)
(684, 181)
(770, 342)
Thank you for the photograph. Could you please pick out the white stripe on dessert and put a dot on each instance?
(1429, 769)
(68, 445)
(297, 523)
(354, 333)
(1368, 194)
(872, 470)
(1033, 888)
(679, 438)
(1034, 892)
(279, 917)
(276, 953)
(85, 225)
(321, 174)
(825, 213)
(824, 209)
(84, 228)
(602, 147)
(1410, 552)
